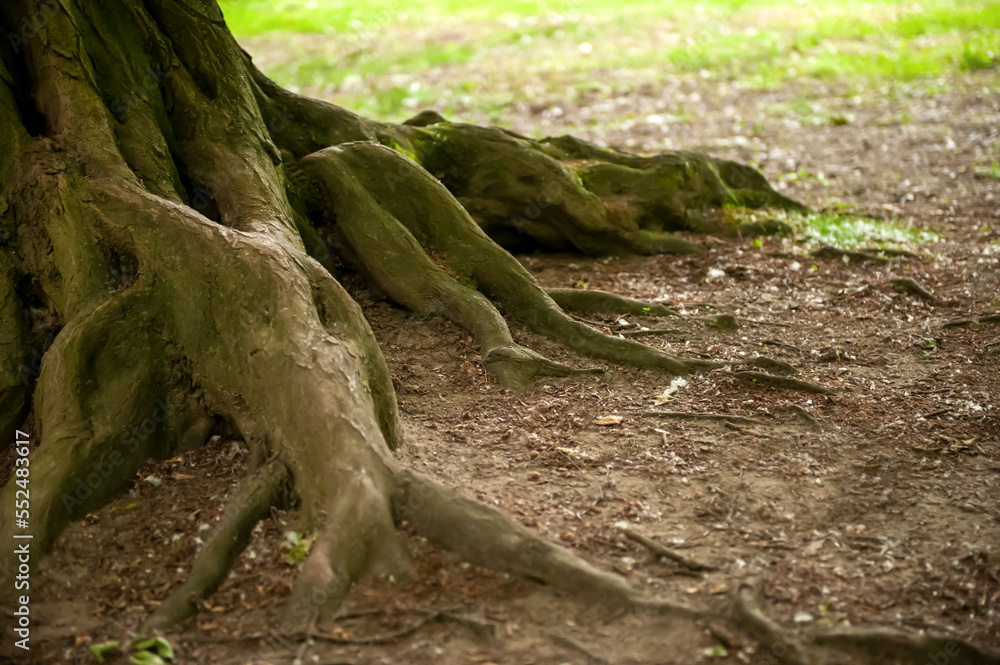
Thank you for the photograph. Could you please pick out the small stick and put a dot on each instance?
(661, 551)
(688, 415)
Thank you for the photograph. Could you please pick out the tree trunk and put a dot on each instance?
(169, 219)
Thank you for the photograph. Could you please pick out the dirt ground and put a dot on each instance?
(879, 505)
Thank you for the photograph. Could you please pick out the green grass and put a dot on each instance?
(356, 53)
(847, 232)
(839, 228)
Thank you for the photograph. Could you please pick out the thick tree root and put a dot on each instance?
(438, 223)
(590, 301)
(752, 620)
(251, 503)
(387, 251)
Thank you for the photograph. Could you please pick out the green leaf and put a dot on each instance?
(157, 645)
(146, 658)
(104, 649)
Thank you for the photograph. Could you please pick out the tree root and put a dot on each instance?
(653, 332)
(393, 258)
(251, 503)
(665, 552)
(917, 648)
(979, 320)
(589, 301)
(403, 192)
(752, 620)
(716, 417)
(912, 288)
(772, 365)
(771, 381)
(827, 252)
(484, 537)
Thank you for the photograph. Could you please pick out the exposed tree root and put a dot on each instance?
(827, 252)
(396, 187)
(771, 381)
(484, 537)
(653, 332)
(772, 365)
(665, 552)
(590, 301)
(910, 287)
(979, 320)
(251, 503)
(716, 417)
(390, 255)
(172, 256)
(878, 643)
(752, 620)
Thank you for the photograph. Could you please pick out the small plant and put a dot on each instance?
(153, 651)
(991, 171)
(296, 546)
(974, 59)
(647, 310)
(757, 242)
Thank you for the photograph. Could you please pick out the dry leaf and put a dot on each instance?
(813, 548)
(608, 420)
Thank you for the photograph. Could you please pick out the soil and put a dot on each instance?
(879, 505)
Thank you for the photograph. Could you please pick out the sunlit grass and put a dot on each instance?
(355, 53)
(847, 231)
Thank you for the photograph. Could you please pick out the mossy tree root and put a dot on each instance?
(395, 187)
(391, 257)
(171, 257)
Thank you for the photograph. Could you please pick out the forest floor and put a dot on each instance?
(879, 505)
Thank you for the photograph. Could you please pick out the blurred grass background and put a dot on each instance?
(386, 58)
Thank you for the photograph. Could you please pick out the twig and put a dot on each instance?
(661, 551)
(935, 413)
